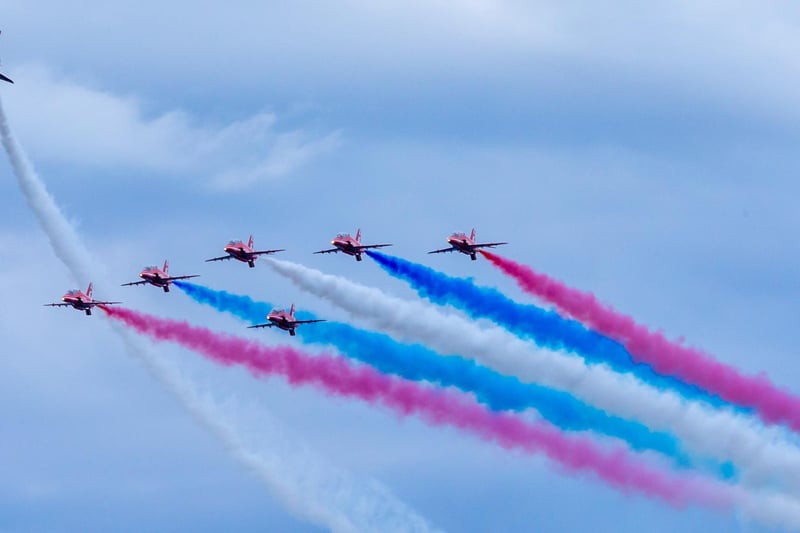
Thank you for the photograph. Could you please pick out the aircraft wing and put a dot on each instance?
(307, 321)
(5, 78)
(133, 283)
(264, 252)
(331, 251)
(267, 325)
(176, 278)
(368, 246)
(222, 258)
(488, 244)
(96, 302)
(58, 305)
(443, 250)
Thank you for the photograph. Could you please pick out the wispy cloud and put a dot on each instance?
(64, 121)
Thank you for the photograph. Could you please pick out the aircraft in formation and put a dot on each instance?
(344, 243)
(280, 318)
(243, 252)
(82, 301)
(5, 78)
(283, 319)
(158, 277)
(459, 242)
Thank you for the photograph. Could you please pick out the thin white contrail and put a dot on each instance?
(761, 454)
(310, 488)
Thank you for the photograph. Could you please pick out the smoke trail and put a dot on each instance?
(415, 362)
(312, 491)
(761, 455)
(437, 407)
(545, 328)
(689, 364)
(238, 305)
(298, 477)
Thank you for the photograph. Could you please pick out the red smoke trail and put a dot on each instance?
(336, 376)
(666, 357)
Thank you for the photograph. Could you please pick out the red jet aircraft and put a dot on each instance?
(5, 78)
(459, 242)
(158, 277)
(284, 320)
(242, 252)
(347, 244)
(80, 301)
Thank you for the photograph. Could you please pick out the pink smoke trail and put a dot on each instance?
(666, 357)
(336, 376)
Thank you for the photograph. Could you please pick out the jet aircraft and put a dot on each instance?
(6, 78)
(242, 252)
(459, 242)
(80, 300)
(158, 277)
(343, 242)
(284, 320)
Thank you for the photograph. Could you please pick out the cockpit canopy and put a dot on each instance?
(232, 243)
(74, 292)
(459, 234)
(276, 311)
(342, 235)
(151, 267)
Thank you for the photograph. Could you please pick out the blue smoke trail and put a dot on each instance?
(546, 328)
(416, 362)
(238, 305)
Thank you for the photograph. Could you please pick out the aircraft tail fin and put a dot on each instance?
(472, 235)
(250, 242)
(291, 311)
(166, 266)
(89, 290)
(358, 235)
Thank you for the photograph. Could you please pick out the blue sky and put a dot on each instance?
(644, 153)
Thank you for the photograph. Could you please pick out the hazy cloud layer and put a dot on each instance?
(70, 123)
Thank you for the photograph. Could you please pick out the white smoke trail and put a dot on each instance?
(310, 488)
(295, 474)
(762, 456)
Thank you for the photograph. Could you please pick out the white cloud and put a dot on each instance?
(62, 121)
(287, 152)
(737, 51)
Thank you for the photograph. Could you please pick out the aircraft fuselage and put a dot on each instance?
(240, 253)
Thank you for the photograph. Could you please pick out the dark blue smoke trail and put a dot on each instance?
(416, 362)
(546, 328)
